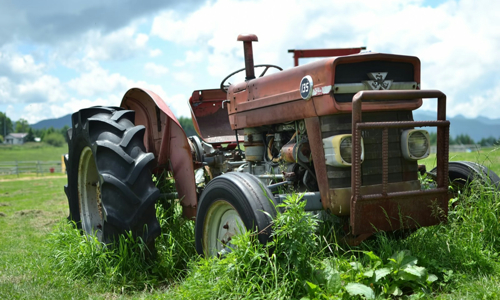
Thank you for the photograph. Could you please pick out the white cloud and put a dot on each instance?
(32, 111)
(195, 56)
(179, 105)
(86, 51)
(155, 52)
(458, 50)
(25, 64)
(6, 87)
(119, 44)
(44, 89)
(141, 39)
(99, 82)
(19, 66)
(155, 70)
(486, 103)
(185, 78)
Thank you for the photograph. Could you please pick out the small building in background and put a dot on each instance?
(16, 138)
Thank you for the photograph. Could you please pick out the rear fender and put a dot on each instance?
(166, 139)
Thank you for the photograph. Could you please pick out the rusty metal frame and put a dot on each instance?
(364, 215)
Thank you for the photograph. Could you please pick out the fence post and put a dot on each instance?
(17, 169)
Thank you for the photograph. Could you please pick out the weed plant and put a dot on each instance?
(123, 266)
(128, 264)
(297, 265)
(305, 259)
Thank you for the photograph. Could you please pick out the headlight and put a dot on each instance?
(415, 144)
(338, 150)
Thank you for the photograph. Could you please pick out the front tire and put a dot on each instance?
(462, 173)
(232, 204)
(110, 189)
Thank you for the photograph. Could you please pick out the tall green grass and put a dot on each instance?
(305, 259)
(128, 265)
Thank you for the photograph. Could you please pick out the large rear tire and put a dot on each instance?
(110, 188)
(231, 204)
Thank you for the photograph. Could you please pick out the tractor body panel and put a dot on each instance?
(210, 118)
(276, 97)
(166, 139)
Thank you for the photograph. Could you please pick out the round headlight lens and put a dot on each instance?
(346, 149)
(418, 144)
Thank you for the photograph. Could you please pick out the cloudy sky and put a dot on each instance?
(59, 56)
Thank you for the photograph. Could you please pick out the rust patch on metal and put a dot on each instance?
(99, 201)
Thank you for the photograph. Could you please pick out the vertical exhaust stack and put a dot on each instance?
(247, 40)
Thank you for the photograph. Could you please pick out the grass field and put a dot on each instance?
(41, 257)
(31, 152)
(489, 157)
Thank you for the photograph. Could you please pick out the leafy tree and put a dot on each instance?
(31, 136)
(64, 130)
(464, 139)
(187, 125)
(55, 139)
(44, 132)
(5, 124)
(487, 142)
(433, 136)
(22, 126)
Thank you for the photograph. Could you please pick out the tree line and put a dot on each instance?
(465, 139)
(56, 137)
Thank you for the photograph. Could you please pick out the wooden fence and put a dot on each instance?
(34, 167)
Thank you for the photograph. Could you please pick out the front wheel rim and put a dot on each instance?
(89, 195)
(222, 223)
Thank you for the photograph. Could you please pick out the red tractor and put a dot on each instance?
(338, 131)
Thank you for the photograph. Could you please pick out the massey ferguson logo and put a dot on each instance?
(378, 81)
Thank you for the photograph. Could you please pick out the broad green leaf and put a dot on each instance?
(333, 282)
(420, 272)
(408, 261)
(311, 285)
(395, 290)
(405, 276)
(368, 274)
(381, 273)
(360, 289)
(372, 256)
(431, 278)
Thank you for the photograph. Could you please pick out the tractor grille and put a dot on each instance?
(400, 169)
(358, 72)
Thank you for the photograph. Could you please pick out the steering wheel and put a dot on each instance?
(225, 87)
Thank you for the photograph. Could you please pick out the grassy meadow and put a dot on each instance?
(31, 152)
(43, 257)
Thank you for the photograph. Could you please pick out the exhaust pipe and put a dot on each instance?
(247, 40)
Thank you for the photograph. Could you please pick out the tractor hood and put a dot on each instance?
(321, 88)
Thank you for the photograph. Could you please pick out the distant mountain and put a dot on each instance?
(477, 128)
(56, 123)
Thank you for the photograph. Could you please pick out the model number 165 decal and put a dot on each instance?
(306, 87)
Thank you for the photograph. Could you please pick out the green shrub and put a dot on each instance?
(55, 139)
